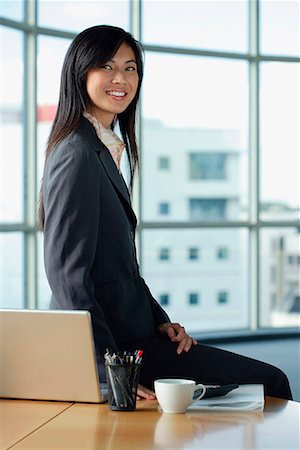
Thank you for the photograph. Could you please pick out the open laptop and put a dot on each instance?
(48, 355)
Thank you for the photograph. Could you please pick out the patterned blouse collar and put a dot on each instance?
(109, 139)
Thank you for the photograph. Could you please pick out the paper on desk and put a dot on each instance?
(247, 397)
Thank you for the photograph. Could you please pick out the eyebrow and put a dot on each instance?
(126, 62)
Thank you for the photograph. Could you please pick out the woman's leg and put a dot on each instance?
(209, 365)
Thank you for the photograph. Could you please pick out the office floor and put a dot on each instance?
(283, 353)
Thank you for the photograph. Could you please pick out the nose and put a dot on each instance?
(119, 78)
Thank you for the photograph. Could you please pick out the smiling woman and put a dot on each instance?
(100, 61)
(89, 224)
(112, 87)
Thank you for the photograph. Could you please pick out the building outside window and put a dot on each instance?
(193, 298)
(164, 208)
(164, 299)
(193, 253)
(205, 166)
(207, 209)
(223, 297)
(164, 254)
(164, 163)
(222, 253)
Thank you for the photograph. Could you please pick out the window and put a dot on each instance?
(180, 277)
(12, 10)
(279, 141)
(193, 298)
(193, 253)
(279, 19)
(213, 161)
(279, 275)
(164, 163)
(207, 166)
(293, 260)
(164, 254)
(12, 270)
(82, 16)
(200, 24)
(164, 208)
(222, 297)
(207, 209)
(12, 127)
(273, 274)
(273, 299)
(164, 299)
(222, 253)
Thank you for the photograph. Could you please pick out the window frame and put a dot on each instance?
(254, 225)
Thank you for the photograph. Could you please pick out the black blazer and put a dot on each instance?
(89, 246)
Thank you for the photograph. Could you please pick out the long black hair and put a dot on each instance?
(90, 49)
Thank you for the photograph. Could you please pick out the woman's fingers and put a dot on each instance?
(185, 344)
(146, 393)
(176, 333)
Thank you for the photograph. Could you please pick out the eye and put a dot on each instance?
(106, 67)
(130, 69)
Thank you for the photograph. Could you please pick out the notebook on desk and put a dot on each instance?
(48, 355)
(247, 397)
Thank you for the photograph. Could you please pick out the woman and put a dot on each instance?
(89, 225)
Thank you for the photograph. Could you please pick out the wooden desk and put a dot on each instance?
(86, 426)
(19, 418)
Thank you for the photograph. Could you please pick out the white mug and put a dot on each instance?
(175, 395)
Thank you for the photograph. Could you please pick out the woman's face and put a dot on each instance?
(112, 87)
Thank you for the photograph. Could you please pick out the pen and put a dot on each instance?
(138, 358)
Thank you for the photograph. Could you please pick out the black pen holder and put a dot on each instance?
(122, 381)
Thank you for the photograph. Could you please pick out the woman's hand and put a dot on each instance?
(146, 393)
(177, 333)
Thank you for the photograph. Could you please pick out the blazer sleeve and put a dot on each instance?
(72, 213)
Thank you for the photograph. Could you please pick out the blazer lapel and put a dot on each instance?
(112, 172)
(87, 129)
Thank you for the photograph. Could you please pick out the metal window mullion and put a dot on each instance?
(30, 160)
(135, 11)
(136, 31)
(254, 273)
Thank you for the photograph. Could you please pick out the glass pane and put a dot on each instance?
(220, 285)
(11, 127)
(78, 15)
(280, 141)
(12, 9)
(280, 27)
(51, 53)
(12, 270)
(280, 277)
(44, 292)
(200, 123)
(217, 25)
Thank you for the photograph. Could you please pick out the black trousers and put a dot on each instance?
(208, 365)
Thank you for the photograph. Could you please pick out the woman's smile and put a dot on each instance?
(117, 95)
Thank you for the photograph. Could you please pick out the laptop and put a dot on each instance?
(48, 355)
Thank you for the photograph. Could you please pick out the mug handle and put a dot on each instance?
(197, 396)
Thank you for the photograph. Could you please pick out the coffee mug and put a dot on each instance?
(175, 395)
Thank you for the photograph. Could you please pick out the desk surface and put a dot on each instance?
(19, 418)
(95, 426)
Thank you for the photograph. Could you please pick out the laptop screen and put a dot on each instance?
(48, 355)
